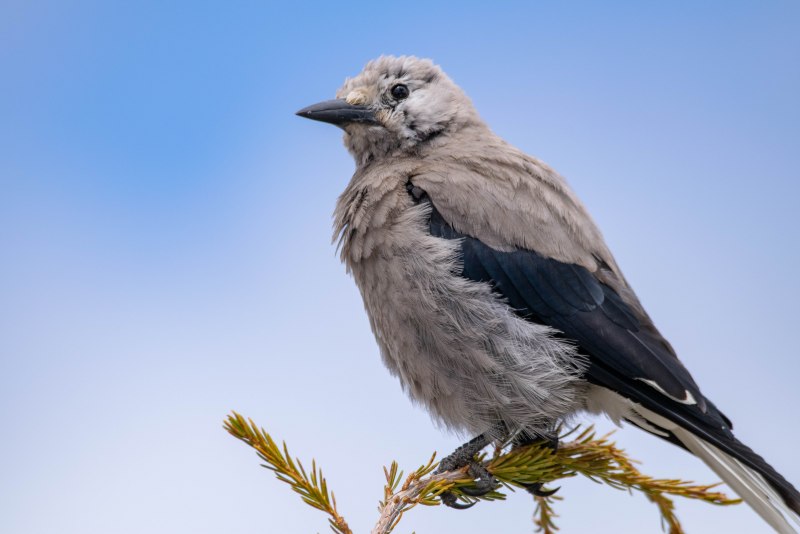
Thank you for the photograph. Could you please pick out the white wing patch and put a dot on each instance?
(688, 399)
(600, 400)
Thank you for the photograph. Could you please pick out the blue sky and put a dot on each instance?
(166, 258)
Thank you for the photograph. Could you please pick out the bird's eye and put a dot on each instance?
(400, 91)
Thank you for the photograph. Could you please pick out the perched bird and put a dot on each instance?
(491, 292)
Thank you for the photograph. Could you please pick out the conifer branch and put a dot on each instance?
(595, 458)
(313, 489)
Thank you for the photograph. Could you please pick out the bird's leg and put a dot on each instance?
(463, 456)
(549, 440)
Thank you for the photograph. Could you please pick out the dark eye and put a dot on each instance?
(400, 91)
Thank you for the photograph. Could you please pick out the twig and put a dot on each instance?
(415, 491)
(313, 489)
(544, 514)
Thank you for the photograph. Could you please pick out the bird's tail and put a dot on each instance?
(748, 483)
(744, 471)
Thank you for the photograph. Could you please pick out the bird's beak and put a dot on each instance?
(338, 112)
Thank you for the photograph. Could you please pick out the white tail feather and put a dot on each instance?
(746, 482)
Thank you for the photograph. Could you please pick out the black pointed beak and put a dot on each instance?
(338, 112)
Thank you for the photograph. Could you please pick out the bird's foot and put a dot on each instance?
(549, 440)
(465, 456)
(484, 483)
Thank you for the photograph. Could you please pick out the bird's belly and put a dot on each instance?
(456, 348)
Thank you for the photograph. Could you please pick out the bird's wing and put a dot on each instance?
(524, 232)
(626, 353)
(596, 309)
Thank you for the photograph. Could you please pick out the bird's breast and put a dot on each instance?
(455, 346)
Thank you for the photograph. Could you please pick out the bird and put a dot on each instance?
(491, 292)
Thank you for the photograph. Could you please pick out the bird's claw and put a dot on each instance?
(484, 481)
(450, 500)
(479, 490)
(536, 490)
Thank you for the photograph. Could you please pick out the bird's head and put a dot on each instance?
(395, 105)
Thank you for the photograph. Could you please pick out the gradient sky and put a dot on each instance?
(166, 257)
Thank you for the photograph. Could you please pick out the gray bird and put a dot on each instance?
(491, 292)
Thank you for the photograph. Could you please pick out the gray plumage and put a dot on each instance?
(490, 290)
(456, 348)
